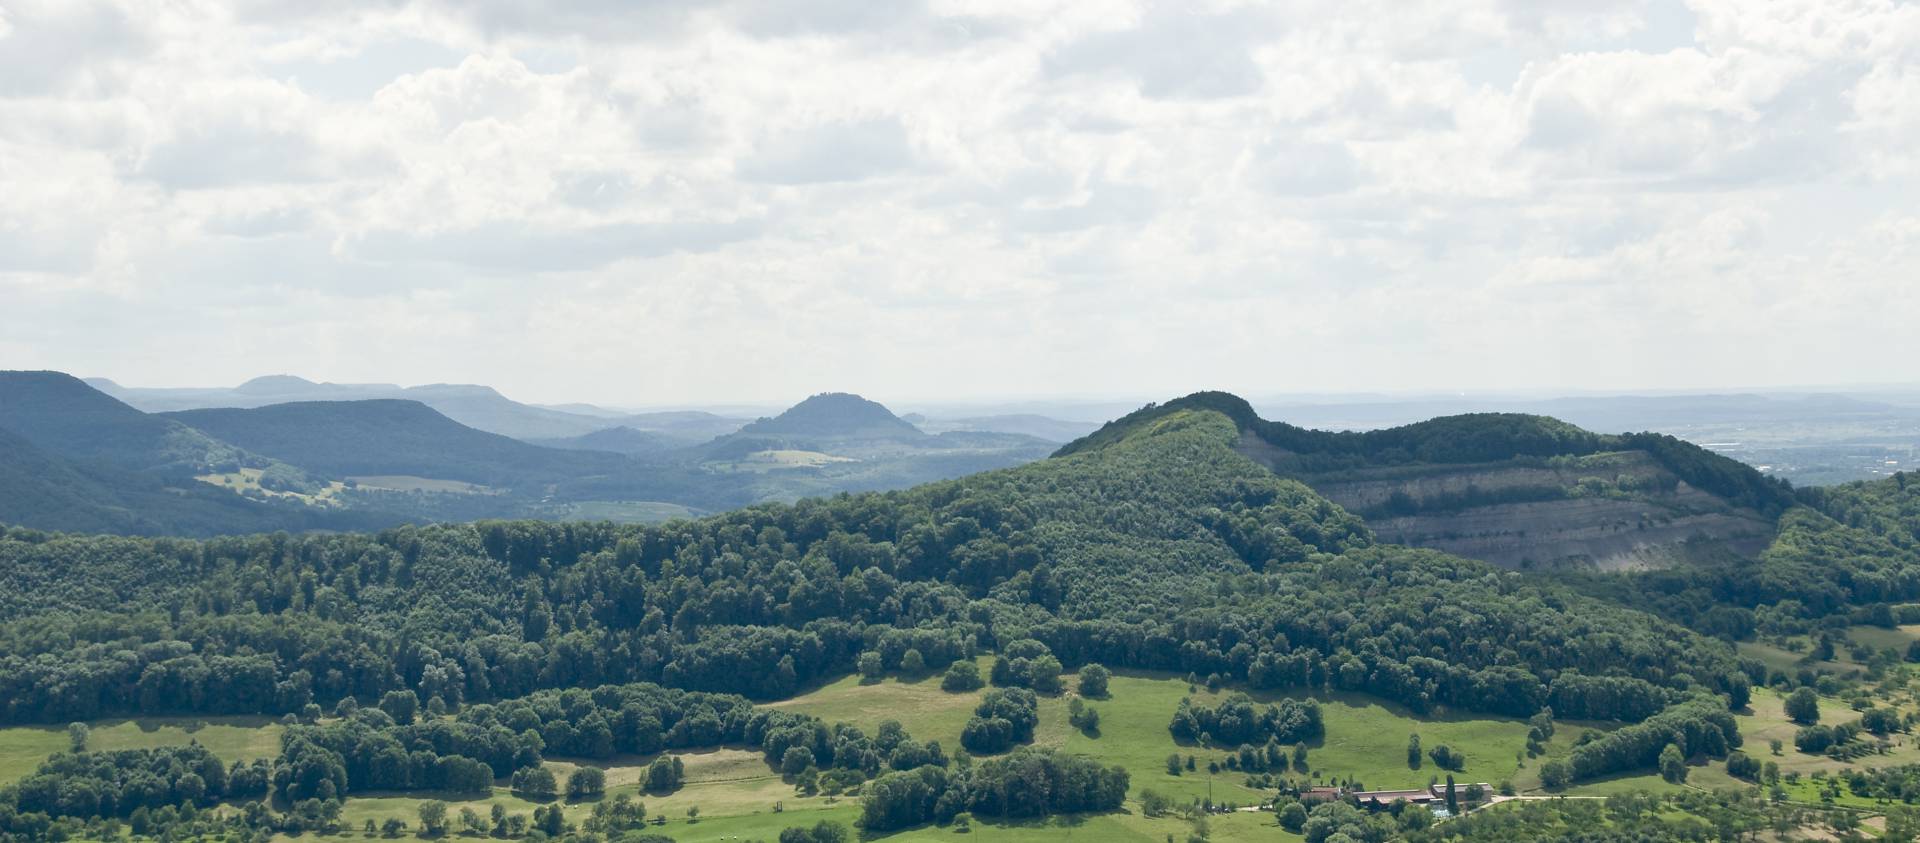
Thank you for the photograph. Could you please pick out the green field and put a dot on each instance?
(1366, 738)
(22, 748)
(1788, 661)
(409, 483)
(248, 480)
(1881, 638)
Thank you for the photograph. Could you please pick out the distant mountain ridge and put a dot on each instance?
(1025, 424)
(618, 440)
(476, 406)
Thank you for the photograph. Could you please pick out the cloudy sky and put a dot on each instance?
(646, 202)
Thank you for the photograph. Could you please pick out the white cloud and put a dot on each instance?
(835, 152)
(762, 198)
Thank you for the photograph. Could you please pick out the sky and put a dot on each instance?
(641, 202)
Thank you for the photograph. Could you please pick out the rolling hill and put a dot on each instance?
(393, 437)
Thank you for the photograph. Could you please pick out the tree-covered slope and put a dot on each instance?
(1165, 550)
(43, 491)
(64, 416)
(391, 437)
(1851, 554)
(1462, 439)
(40, 489)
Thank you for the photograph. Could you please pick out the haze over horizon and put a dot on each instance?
(729, 200)
(1057, 402)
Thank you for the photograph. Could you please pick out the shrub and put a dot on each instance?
(962, 676)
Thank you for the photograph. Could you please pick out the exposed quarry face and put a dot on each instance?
(1612, 511)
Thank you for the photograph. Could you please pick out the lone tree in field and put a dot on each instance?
(77, 734)
(433, 818)
(961, 676)
(1413, 751)
(870, 665)
(1093, 681)
(1673, 765)
(1555, 774)
(1803, 706)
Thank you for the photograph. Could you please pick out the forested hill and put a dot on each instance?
(1516, 490)
(1164, 550)
(835, 414)
(1462, 439)
(64, 416)
(389, 436)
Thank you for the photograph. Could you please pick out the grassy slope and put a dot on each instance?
(1366, 738)
(231, 738)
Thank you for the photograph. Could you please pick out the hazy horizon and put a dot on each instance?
(737, 200)
(908, 403)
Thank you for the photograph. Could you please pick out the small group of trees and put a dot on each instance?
(1803, 706)
(1447, 758)
(962, 676)
(1005, 716)
(1027, 663)
(666, 774)
(1237, 720)
(1026, 783)
(535, 782)
(1700, 726)
(1083, 717)
(824, 831)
